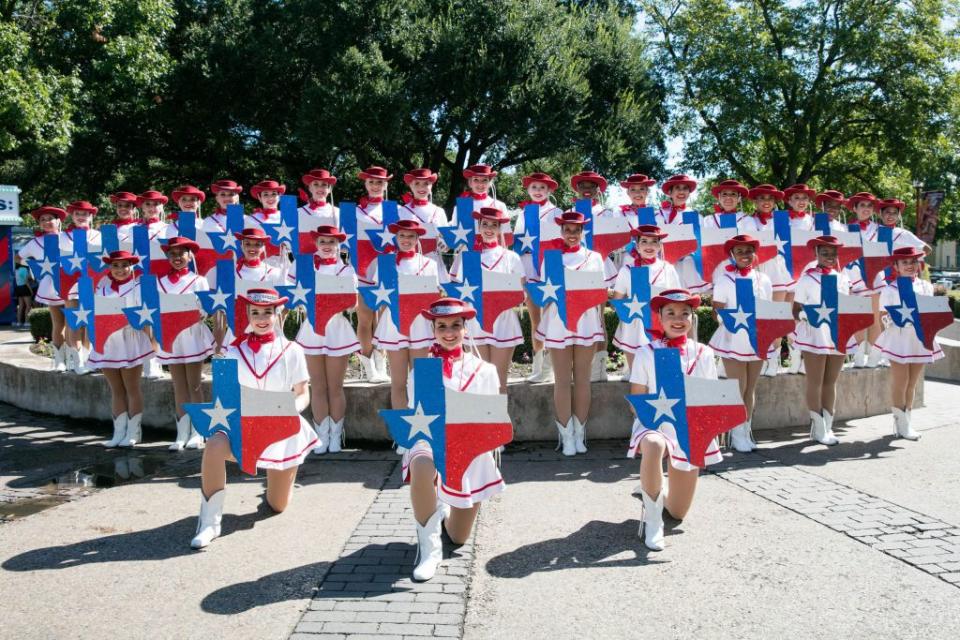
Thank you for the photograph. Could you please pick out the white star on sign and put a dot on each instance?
(46, 266)
(635, 307)
(146, 314)
(82, 315)
(76, 262)
(383, 294)
(823, 313)
(420, 423)
(906, 313)
(299, 293)
(283, 231)
(740, 318)
(466, 290)
(218, 415)
(663, 405)
(780, 245)
(526, 242)
(386, 237)
(461, 235)
(219, 298)
(550, 290)
(346, 241)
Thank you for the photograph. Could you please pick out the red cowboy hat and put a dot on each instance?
(765, 190)
(123, 196)
(648, 231)
(571, 217)
(225, 185)
(830, 195)
(375, 173)
(449, 308)
(588, 176)
(328, 231)
(151, 195)
(318, 174)
(178, 242)
(266, 185)
(799, 188)
(640, 179)
(188, 190)
(539, 176)
(824, 241)
(420, 174)
(674, 295)
(121, 255)
(47, 210)
(900, 205)
(491, 213)
(82, 205)
(262, 297)
(732, 185)
(407, 225)
(863, 196)
(253, 233)
(680, 178)
(741, 239)
(906, 253)
(479, 171)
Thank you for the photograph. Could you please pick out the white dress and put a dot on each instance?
(387, 336)
(745, 223)
(901, 344)
(686, 268)
(506, 328)
(214, 223)
(817, 339)
(482, 478)
(780, 277)
(322, 214)
(736, 346)
(339, 338)
(33, 250)
(196, 343)
(590, 328)
(278, 366)
(94, 242)
(696, 360)
(432, 217)
(127, 347)
(630, 336)
(276, 256)
(489, 202)
(901, 238)
(549, 230)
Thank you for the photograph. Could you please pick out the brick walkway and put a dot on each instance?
(368, 591)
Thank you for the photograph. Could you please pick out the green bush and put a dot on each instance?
(953, 298)
(41, 326)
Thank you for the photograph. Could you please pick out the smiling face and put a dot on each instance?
(676, 319)
(833, 209)
(587, 189)
(124, 209)
(538, 191)
(376, 188)
(261, 320)
(269, 199)
(81, 219)
(679, 194)
(252, 249)
(489, 230)
(225, 198)
(449, 332)
(648, 247)
(152, 208)
(49, 223)
(421, 189)
(729, 200)
(120, 269)
(909, 267)
(798, 201)
(742, 255)
(571, 234)
(407, 240)
(319, 190)
(327, 246)
(638, 194)
(827, 257)
(189, 203)
(764, 203)
(479, 184)
(890, 216)
(864, 209)
(178, 258)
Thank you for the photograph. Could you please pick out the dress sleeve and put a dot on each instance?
(297, 364)
(642, 370)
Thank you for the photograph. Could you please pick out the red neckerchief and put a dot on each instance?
(674, 209)
(365, 200)
(405, 255)
(639, 260)
(256, 340)
(265, 212)
(250, 263)
(480, 245)
(219, 211)
(744, 271)
(864, 224)
(312, 204)
(172, 216)
(539, 203)
(568, 249)
(718, 209)
(409, 199)
(149, 221)
(40, 234)
(474, 195)
(678, 342)
(825, 270)
(796, 215)
(448, 357)
(317, 261)
(115, 284)
(123, 221)
(176, 274)
(764, 218)
(888, 226)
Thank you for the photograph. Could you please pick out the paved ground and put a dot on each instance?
(862, 540)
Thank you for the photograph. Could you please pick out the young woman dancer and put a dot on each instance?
(49, 220)
(729, 195)
(678, 190)
(81, 215)
(125, 216)
(151, 205)
(188, 200)
(226, 192)
(765, 198)
(864, 207)
(319, 197)
(418, 205)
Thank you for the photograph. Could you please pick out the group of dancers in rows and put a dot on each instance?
(314, 365)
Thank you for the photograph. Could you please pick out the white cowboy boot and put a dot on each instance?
(771, 367)
(368, 368)
(322, 429)
(151, 369)
(566, 438)
(831, 439)
(860, 355)
(651, 523)
(211, 514)
(134, 433)
(874, 358)
(183, 433)
(196, 440)
(429, 547)
(80, 366)
(337, 435)
(721, 370)
(537, 372)
(119, 431)
(380, 364)
(69, 358)
(598, 368)
(59, 362)
(902, 427)
(740, 438)
(818, 429)
(795, 361)
(579, 435)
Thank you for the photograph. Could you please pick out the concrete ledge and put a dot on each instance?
(25, 382)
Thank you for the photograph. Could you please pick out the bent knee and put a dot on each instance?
(422, 469)
(218, 446)
(653, 445)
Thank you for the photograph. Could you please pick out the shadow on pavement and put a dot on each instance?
(292, 584)
(597, 544)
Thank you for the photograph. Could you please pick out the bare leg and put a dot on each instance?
(423, 489)
(899, 379)
(460, 523)
(534, 312)
(501, 357)
(131, 382)
(874, 330)
(59, 323)
(652, 450)
(118, 395)
(399, 366)
(280, 487)
(366, 321)
(181, 392)
(417, 353)
(484, 351)
(753, 370)
(317, 368)
(916, 372)
(194, 375)
(336, 370)
(582, 359)
(738, 370)
(563, 373)
(780, 296)
(814, 364)
(831, 373)
(213, 466)
(683, 484)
